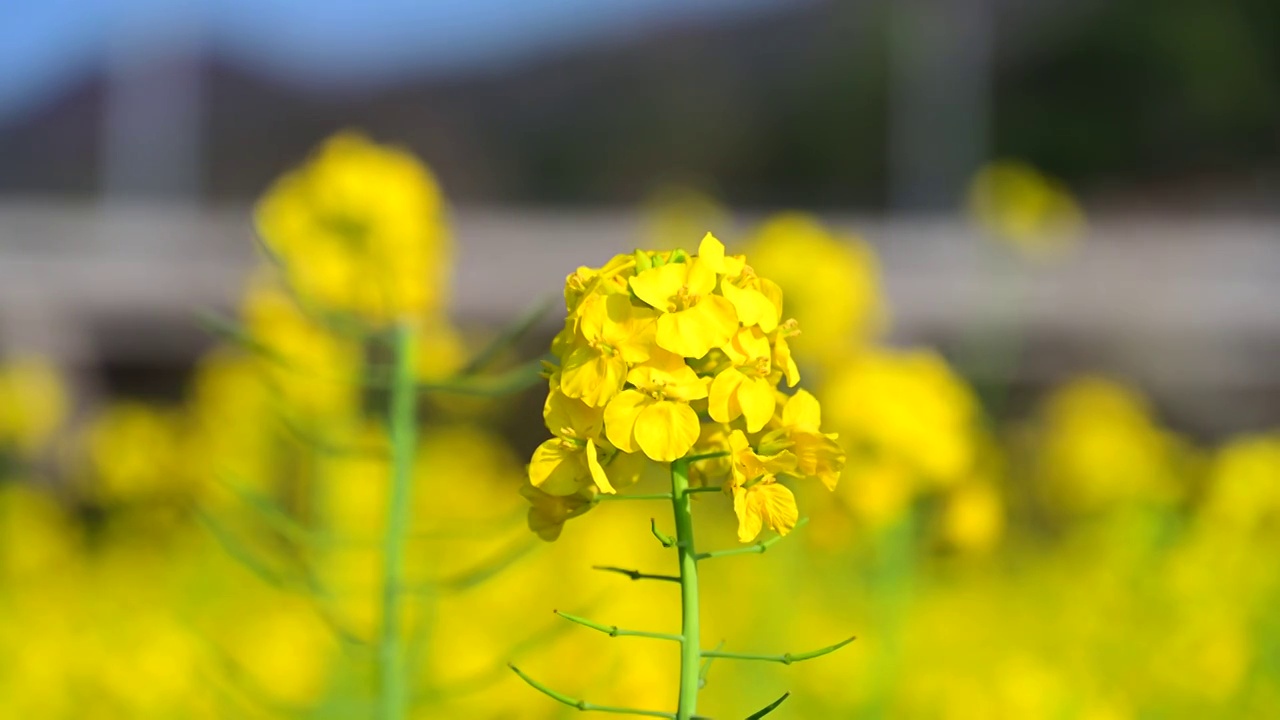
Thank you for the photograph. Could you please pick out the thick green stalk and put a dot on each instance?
(690, 648)
(403, 435)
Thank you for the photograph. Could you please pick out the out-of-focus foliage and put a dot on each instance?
(219, 556)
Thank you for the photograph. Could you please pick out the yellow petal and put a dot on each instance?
(657, 286)
(693, 332)
(556, 468)
(660, 370)
(782, 359)
(818, 456)
(802, 412)
(757, 400)
(749, 520)
(752, 306)
(666, 430)
(767, 503)
(549, 513)
(597, 472)
(620, 418)
(630, 330)
(722, 401)
(777, 506)
(711, 252)
(570, 417)
(592, 376)
(699, 279)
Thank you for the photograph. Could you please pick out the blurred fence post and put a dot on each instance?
(940, 78)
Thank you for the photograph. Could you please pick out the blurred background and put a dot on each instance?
(1070, 210)
(135, 135)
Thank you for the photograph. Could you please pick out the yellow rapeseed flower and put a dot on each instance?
(653, 345)
(654, 415)
(692, 320)
(360, 229)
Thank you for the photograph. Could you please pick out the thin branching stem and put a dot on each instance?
(615, 631)
(706, 667)
(666, 540)
(583, 705)
(785, 658)
(635, 574)
(755, 548)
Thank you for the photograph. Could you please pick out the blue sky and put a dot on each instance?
(46, 45)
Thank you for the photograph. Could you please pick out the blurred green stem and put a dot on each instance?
(403, 434)
(690, 648)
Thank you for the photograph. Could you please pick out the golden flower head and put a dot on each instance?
(359, 229)
(665, 352)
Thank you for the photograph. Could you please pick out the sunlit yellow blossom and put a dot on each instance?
(747, 466)
(359, 229)
(655, 416)
(567, 463)
(693, 319)
(745, 387)
(767, 503)
(612, 278)
(818, 455)
(33, 403)
(661, 342)
(612, 334)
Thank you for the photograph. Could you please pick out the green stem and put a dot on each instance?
(583, 705)
(615, 631)
(403, 435)
(785, 658)
(690, 655)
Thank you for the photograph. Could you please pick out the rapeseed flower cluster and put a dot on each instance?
(218, 555)
(359, 229)
(662, 352)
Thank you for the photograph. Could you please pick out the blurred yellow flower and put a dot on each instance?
(676, 211)
(1019, 205)
(1243, 488)
(973, 517)
(360, 228)
(1099, 446)
(314, 372)
(33, 404)
(134, 452)
(906, 408)
(831, 282)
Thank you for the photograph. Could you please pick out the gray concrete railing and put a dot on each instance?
(1189, 308)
